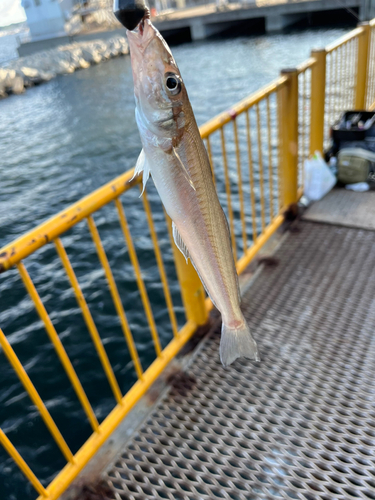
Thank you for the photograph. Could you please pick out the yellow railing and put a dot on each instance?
(256, 150)
(244, 148)
(370, 97)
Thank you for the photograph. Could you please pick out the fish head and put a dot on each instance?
(160, 94)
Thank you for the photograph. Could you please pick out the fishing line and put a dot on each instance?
(351, 11)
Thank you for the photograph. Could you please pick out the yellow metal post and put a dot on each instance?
(22, 465)
(138, 276)
(288, 126)
(115, 296)
(89, 320)
(318, 85)
(192, 290)
(362, 65)
(34, 395)
(159, 261)
(56, 341)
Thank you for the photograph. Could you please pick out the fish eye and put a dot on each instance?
(173, 83)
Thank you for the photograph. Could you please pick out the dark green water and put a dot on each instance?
(58, 142)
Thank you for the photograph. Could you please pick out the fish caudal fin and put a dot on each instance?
(237, 342)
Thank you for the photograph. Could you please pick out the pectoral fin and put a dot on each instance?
(142, 165)
(183, 168)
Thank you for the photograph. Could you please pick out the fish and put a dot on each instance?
(175, 157)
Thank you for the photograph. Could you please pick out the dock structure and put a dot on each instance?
(300, 424)
(204, 21)
(208, 20)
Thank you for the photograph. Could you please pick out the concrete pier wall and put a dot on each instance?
(200, 30)
(206, 21)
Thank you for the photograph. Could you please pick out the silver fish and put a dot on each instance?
(175, 156)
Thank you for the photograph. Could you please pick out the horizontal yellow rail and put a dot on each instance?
(308, 64)
(66, 219)
(219, 121)
(344, 39)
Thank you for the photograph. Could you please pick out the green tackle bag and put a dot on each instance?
(355, 165)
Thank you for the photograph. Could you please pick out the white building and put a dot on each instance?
(45, 18)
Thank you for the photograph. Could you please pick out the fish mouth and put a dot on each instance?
(143, 34)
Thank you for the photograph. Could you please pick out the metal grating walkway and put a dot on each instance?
(345, 208)
(299, 425)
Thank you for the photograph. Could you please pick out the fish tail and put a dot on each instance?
(237, 342)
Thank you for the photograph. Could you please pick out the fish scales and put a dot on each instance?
(175, 156)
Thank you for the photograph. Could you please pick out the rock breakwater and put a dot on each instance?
(41, 67)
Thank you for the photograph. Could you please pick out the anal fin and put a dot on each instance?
(185, 252)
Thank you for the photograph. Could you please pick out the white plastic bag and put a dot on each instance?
(319, 179)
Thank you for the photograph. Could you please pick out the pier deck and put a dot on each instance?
(298, 425)
(345, 208)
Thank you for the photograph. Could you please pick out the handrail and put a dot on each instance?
(345, 39)
(28, 243)
(308, 64)
(226, 116)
